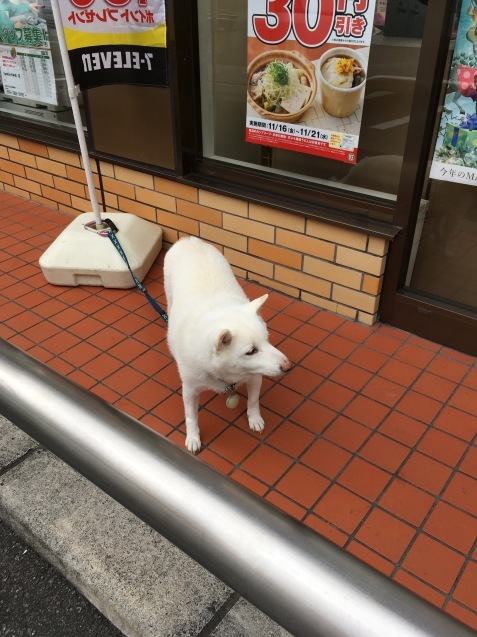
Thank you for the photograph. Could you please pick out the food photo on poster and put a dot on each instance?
(455, 155)
(306, 74)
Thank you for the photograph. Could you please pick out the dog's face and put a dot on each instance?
(241, 346)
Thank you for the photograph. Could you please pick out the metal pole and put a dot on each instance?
(302, 581)
(73, 92)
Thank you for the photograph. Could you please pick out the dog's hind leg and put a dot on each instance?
(190, 397)
(255, 420)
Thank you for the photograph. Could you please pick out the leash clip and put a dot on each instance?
(91, 226)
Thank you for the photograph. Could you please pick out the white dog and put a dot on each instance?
(215, 333)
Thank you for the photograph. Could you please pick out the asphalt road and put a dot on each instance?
(36, 601)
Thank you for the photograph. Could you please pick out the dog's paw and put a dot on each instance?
(256, 422)
(193, 443)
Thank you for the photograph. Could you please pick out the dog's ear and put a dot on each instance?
(224, 340)
(256, 304)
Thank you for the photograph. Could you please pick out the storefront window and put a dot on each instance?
(32, 82)
(443, 263)
(381, 119)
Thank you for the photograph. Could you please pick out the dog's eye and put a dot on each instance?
(252, 351)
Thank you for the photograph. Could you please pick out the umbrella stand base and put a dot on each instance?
(81, 256)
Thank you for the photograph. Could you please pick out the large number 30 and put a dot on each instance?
(283, 16)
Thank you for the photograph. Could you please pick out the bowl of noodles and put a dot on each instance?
(281, 85)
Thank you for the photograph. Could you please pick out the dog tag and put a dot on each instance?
(232, 401)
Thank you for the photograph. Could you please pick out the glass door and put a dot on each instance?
(433, 269)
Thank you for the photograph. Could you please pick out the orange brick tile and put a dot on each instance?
(346, 433)
(402, 428)
(398, 372)
(326, 458)
(281, 400)
(434, 386)
(283, 323)
(342, 508)
(419, 406)
(313, 416)
(61, 366)
(266, 464)
(321, 362)
(148, 394)
(419, 588)
(60, 342)
(130, 408)
(302, 485)
(332, 395)
(466, 399)
(338, 346)
(442, 447)
(285, 504)
(327, 321)
(466, 586)
(364, 479)
(310, 334)
(469, 464)
(366, 411)
(124, 380)
(290, 439)
(252, 484)
(371, 558)
(384, 452)
(351, 376)
(417, 356)
(462, 614)
(368, 359)
(216, 461)
(21, 322)
(425, 472)
(277, 218)
(307, 245)
(301, 380)
(326, 529)
(471, 379)
(332, 272)
(234, 444)
(452, 526)
(385, 534)
(383, 391)
(406, 501)
(448, 368)
(457, 423)
(433, 562)
(462, 493)
(157, 424)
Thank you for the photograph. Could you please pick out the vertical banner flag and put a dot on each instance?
(306, 76)
(455, 155)
(26, 66)
(116, 41)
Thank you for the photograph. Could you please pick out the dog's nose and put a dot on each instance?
(286, 365)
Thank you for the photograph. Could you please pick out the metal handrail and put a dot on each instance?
(305, 583)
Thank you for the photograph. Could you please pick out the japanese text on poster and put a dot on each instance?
(116, 41)
(26, 67)
(455, 155)
(306, 75)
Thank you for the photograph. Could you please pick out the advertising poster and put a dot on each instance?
(26, 67)
(28, 74)
(116, 42)
(455, 155)
(306, 75)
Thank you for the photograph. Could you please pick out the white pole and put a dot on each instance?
(73, 92)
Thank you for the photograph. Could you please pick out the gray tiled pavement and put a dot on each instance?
(141, 582)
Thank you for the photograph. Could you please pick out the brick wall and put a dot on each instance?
(333, 268)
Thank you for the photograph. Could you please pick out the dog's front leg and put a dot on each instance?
(255, 420)
(190, 396)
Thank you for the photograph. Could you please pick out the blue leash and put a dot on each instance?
(139, 285)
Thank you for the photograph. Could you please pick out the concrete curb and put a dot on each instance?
(141, 582)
